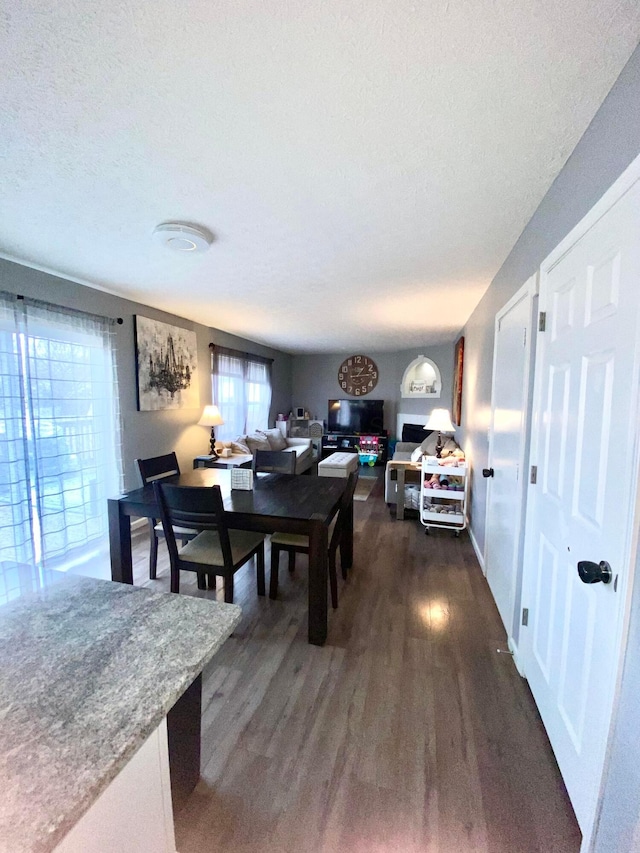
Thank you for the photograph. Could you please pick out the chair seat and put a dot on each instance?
(290, 540)
(178, 531)
(206, 549)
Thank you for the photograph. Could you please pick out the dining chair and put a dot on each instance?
(216, 550)
(274, 461)
(294, 543)
(150, 470)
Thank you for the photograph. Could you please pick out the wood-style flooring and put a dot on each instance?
(407, 732)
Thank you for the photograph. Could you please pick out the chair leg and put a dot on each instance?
(202, 580)
(273, 580)
(260, 570)
(292, 560)
(211, 582)
(343, 567)
(333, 579)
(228, 589)
(153, 555)
(175, 580)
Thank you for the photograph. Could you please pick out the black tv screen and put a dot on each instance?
(356, 417)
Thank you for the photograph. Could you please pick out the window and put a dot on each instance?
(59, 434)
(241, 391)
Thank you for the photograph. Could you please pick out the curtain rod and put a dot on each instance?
(117, 320)
(240, 354)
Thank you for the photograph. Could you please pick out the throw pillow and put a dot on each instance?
(276, 439)
(416, 456)
(240, 445)
(258, 441)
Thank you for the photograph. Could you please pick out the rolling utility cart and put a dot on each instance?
(443, 495)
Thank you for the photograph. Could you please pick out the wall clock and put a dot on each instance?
(358, 375)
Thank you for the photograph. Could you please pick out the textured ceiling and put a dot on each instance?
(365, 165)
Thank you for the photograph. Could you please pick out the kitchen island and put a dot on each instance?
(89, 672)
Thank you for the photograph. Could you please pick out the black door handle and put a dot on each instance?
(487, 472)
(595, 572)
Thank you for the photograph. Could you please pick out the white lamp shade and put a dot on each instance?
(440, 420)
(211, 417)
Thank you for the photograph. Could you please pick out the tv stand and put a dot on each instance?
(373, 444)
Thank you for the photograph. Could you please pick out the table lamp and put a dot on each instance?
(440, 420)
(211, 417)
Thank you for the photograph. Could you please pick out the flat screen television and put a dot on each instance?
(356, 417)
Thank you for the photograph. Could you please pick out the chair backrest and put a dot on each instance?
(194, 507)
(157, 467)
(345, 503)
(274, 461)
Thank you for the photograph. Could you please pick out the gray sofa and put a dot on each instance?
(272, 439)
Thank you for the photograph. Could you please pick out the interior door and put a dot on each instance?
(506, 493)
(582, 507)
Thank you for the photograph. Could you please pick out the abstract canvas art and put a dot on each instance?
(166, 366)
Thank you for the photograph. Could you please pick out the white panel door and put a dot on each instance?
(505, 494)
(584, 443)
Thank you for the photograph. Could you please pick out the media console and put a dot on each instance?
(370, 444)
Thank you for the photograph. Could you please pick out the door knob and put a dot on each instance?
(595, 572)
(487, 472)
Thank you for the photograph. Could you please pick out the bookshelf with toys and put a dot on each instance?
(443, 493)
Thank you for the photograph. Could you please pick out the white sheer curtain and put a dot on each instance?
(241, 391)
(59, 433)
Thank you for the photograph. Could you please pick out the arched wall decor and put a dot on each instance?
(421, 379)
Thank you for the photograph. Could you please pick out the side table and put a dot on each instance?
(238, 460)
(406, 472)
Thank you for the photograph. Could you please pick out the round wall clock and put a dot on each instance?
(358, 375)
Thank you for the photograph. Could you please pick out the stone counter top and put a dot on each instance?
(88, 670)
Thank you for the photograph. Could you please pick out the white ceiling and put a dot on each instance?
(365, 165)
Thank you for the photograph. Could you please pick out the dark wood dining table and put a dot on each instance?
(278, 502)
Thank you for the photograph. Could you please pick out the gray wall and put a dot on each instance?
(148, 433)
(315, 382)
(609, 145)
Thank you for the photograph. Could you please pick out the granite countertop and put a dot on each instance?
(88, 669)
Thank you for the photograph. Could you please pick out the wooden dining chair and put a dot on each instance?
(215, 550)
(294, 543)
(150, 470)
(274, 461)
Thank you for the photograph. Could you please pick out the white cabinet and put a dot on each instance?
(443, 494)
(134, 812)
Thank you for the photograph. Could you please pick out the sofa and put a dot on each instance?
(405, 451)
(272, 439)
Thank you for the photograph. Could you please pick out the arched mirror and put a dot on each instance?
(421, 379)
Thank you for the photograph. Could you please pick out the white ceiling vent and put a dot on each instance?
(183, 237)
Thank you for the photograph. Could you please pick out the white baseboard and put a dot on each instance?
(479, 554)
(513, 648)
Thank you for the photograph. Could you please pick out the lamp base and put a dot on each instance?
(212, 445)
(439, 446)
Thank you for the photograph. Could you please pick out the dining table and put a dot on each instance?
(285, 503)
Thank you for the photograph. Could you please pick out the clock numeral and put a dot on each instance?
(343, 385)
(357, 392)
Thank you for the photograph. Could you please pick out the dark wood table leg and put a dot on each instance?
(119, 543)
(346, 541)
(183, 730)
(318, 574)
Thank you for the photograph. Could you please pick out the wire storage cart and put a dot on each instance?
(443, 495)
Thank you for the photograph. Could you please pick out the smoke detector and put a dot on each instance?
(183, 237)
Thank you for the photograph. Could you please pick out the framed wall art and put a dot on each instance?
(166, 366)
(458, 364)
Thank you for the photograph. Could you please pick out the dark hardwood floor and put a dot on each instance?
(407, 732)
